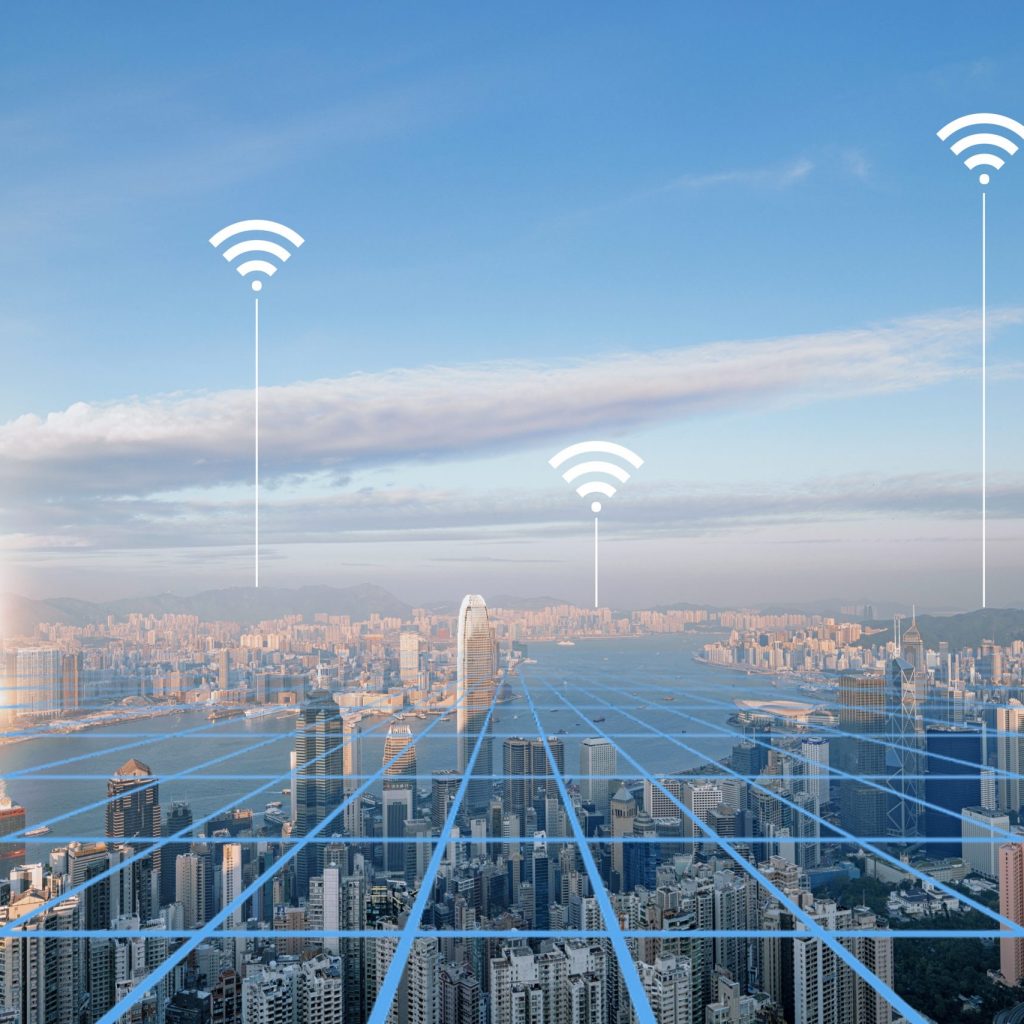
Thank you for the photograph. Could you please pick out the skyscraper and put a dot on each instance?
(597, 757)
(409, 645)
(399, 787)
(475, 688)
(905, 702)
(38, 682)
(816, 753)
(190, 888)
(318, 777)
(956, 787)
(525, 767)
(623, 810)
(825, 989)
(351, 732)
(1010, 754)
(179, 817)
(912, 649)
(443, 789)
(862, 712)
(1011, 906)
(132, 813)
(231, 883)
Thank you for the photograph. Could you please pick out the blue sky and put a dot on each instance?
(535, 188)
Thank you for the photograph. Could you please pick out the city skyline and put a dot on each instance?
(742, 822)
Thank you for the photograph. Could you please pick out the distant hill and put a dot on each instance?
(247, 605)
(967, 629)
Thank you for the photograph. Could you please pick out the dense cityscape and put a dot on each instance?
(428, 846)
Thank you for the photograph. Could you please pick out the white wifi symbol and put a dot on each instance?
(260, 247)
(593, 470)
(988, 139)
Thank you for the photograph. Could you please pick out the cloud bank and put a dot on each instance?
(148, 446)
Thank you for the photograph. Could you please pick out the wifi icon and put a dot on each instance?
(261, 250)
(595, 476)
(990, 140)
(594, 470)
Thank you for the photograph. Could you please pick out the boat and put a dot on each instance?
(598, 720)
(261, 712)
(219, 713)
(561, 732)
(668, 697)
(566, 643)
(41, 830)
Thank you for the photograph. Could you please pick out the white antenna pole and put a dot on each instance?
(984, 415)
(256, 446)
(596, 605)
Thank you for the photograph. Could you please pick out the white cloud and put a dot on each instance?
(163, 444)
(781, 176)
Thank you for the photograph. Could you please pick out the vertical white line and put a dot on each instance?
(256, 444)
(984, 411)
(595, 563)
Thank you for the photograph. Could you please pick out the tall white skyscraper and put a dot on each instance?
(816, 752)
(190, 888)
(409, 645)
(231, 882)
(597, 757)
(475, 688)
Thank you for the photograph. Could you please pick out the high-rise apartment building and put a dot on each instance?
(231, 883)
(1010, 754)
(1011, 906)
(190, 888)
(669, 989)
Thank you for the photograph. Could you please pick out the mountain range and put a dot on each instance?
(247, 605)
